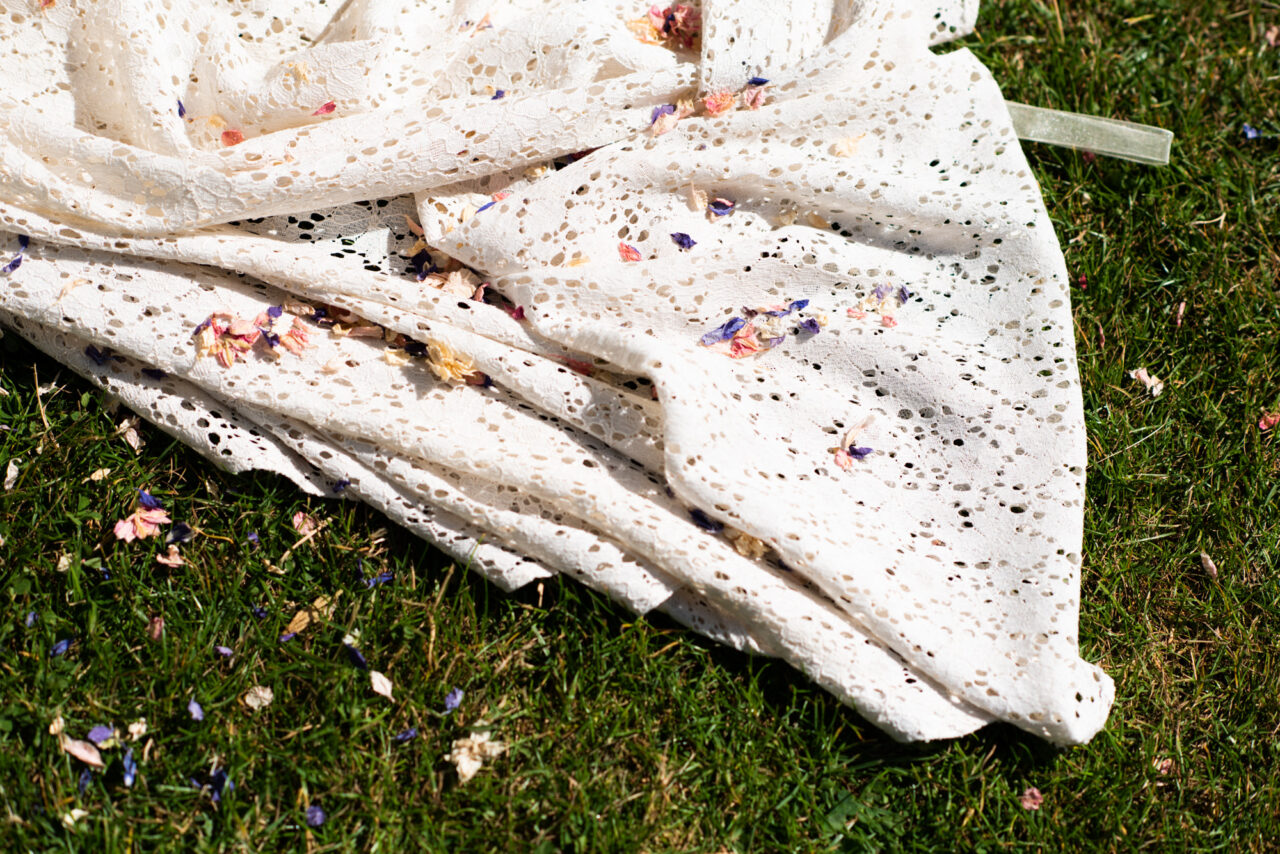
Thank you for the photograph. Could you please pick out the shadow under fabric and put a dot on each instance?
(774, 335)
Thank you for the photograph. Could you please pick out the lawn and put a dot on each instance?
(632, 734)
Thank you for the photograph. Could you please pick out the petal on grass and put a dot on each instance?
(381, 684)
(453, 699)
(258, 697)
(85, 751)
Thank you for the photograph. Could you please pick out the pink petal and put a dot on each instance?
(325, 109)
(124, 530)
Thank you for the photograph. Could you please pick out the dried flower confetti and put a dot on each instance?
(448, 364)
(102, 735)
(628, 253)
(128, 769)
(380, 684)
(60, 648)
(232, 137)
(468, 754)
(195, 710)
(720, 207)
(1268, 420)
(315, 816)
(684, 241)
(745, 544)
(1206, 563)
(753, 96)
(16, 261)
(1031, 798)
(304, 523)
(719, 102)
(1153, 383)
(453, 699)
(85, 751)
(408, 735)
(10, 475)
(325, 109)
(258, 697)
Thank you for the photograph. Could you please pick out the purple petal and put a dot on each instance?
(498, 93)
(23, 242)
(881, 291)
(659, 112)
(180, 533)
(705, 522)
(683, 240)
(356, 657)
(1251, 132)
(32, 616)
(147, 500)
(101, 733)
(723, 332)
(315, 816)
(757, 81)
(224, 651)
(810, 325)
(182, 111)
(197, 712)
(422, 264)
(86, 777)
(60, 648)
(341, 485)
(380, 578)
(859, 453)
(904, 294)
(485, 206)
(288, 636)
(453, 700)
(12, 265)
(408, 735)
(99, 358)
(720, 207)
(275, 311)
(253, 538)
(218, 783)
(130, 768)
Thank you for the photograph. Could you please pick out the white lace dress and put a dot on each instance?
(774, 334)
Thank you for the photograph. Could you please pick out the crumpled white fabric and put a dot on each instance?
(933, 583)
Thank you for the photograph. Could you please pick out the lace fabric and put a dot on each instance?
(774, 332)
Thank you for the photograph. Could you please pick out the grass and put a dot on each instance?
(631, 734)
